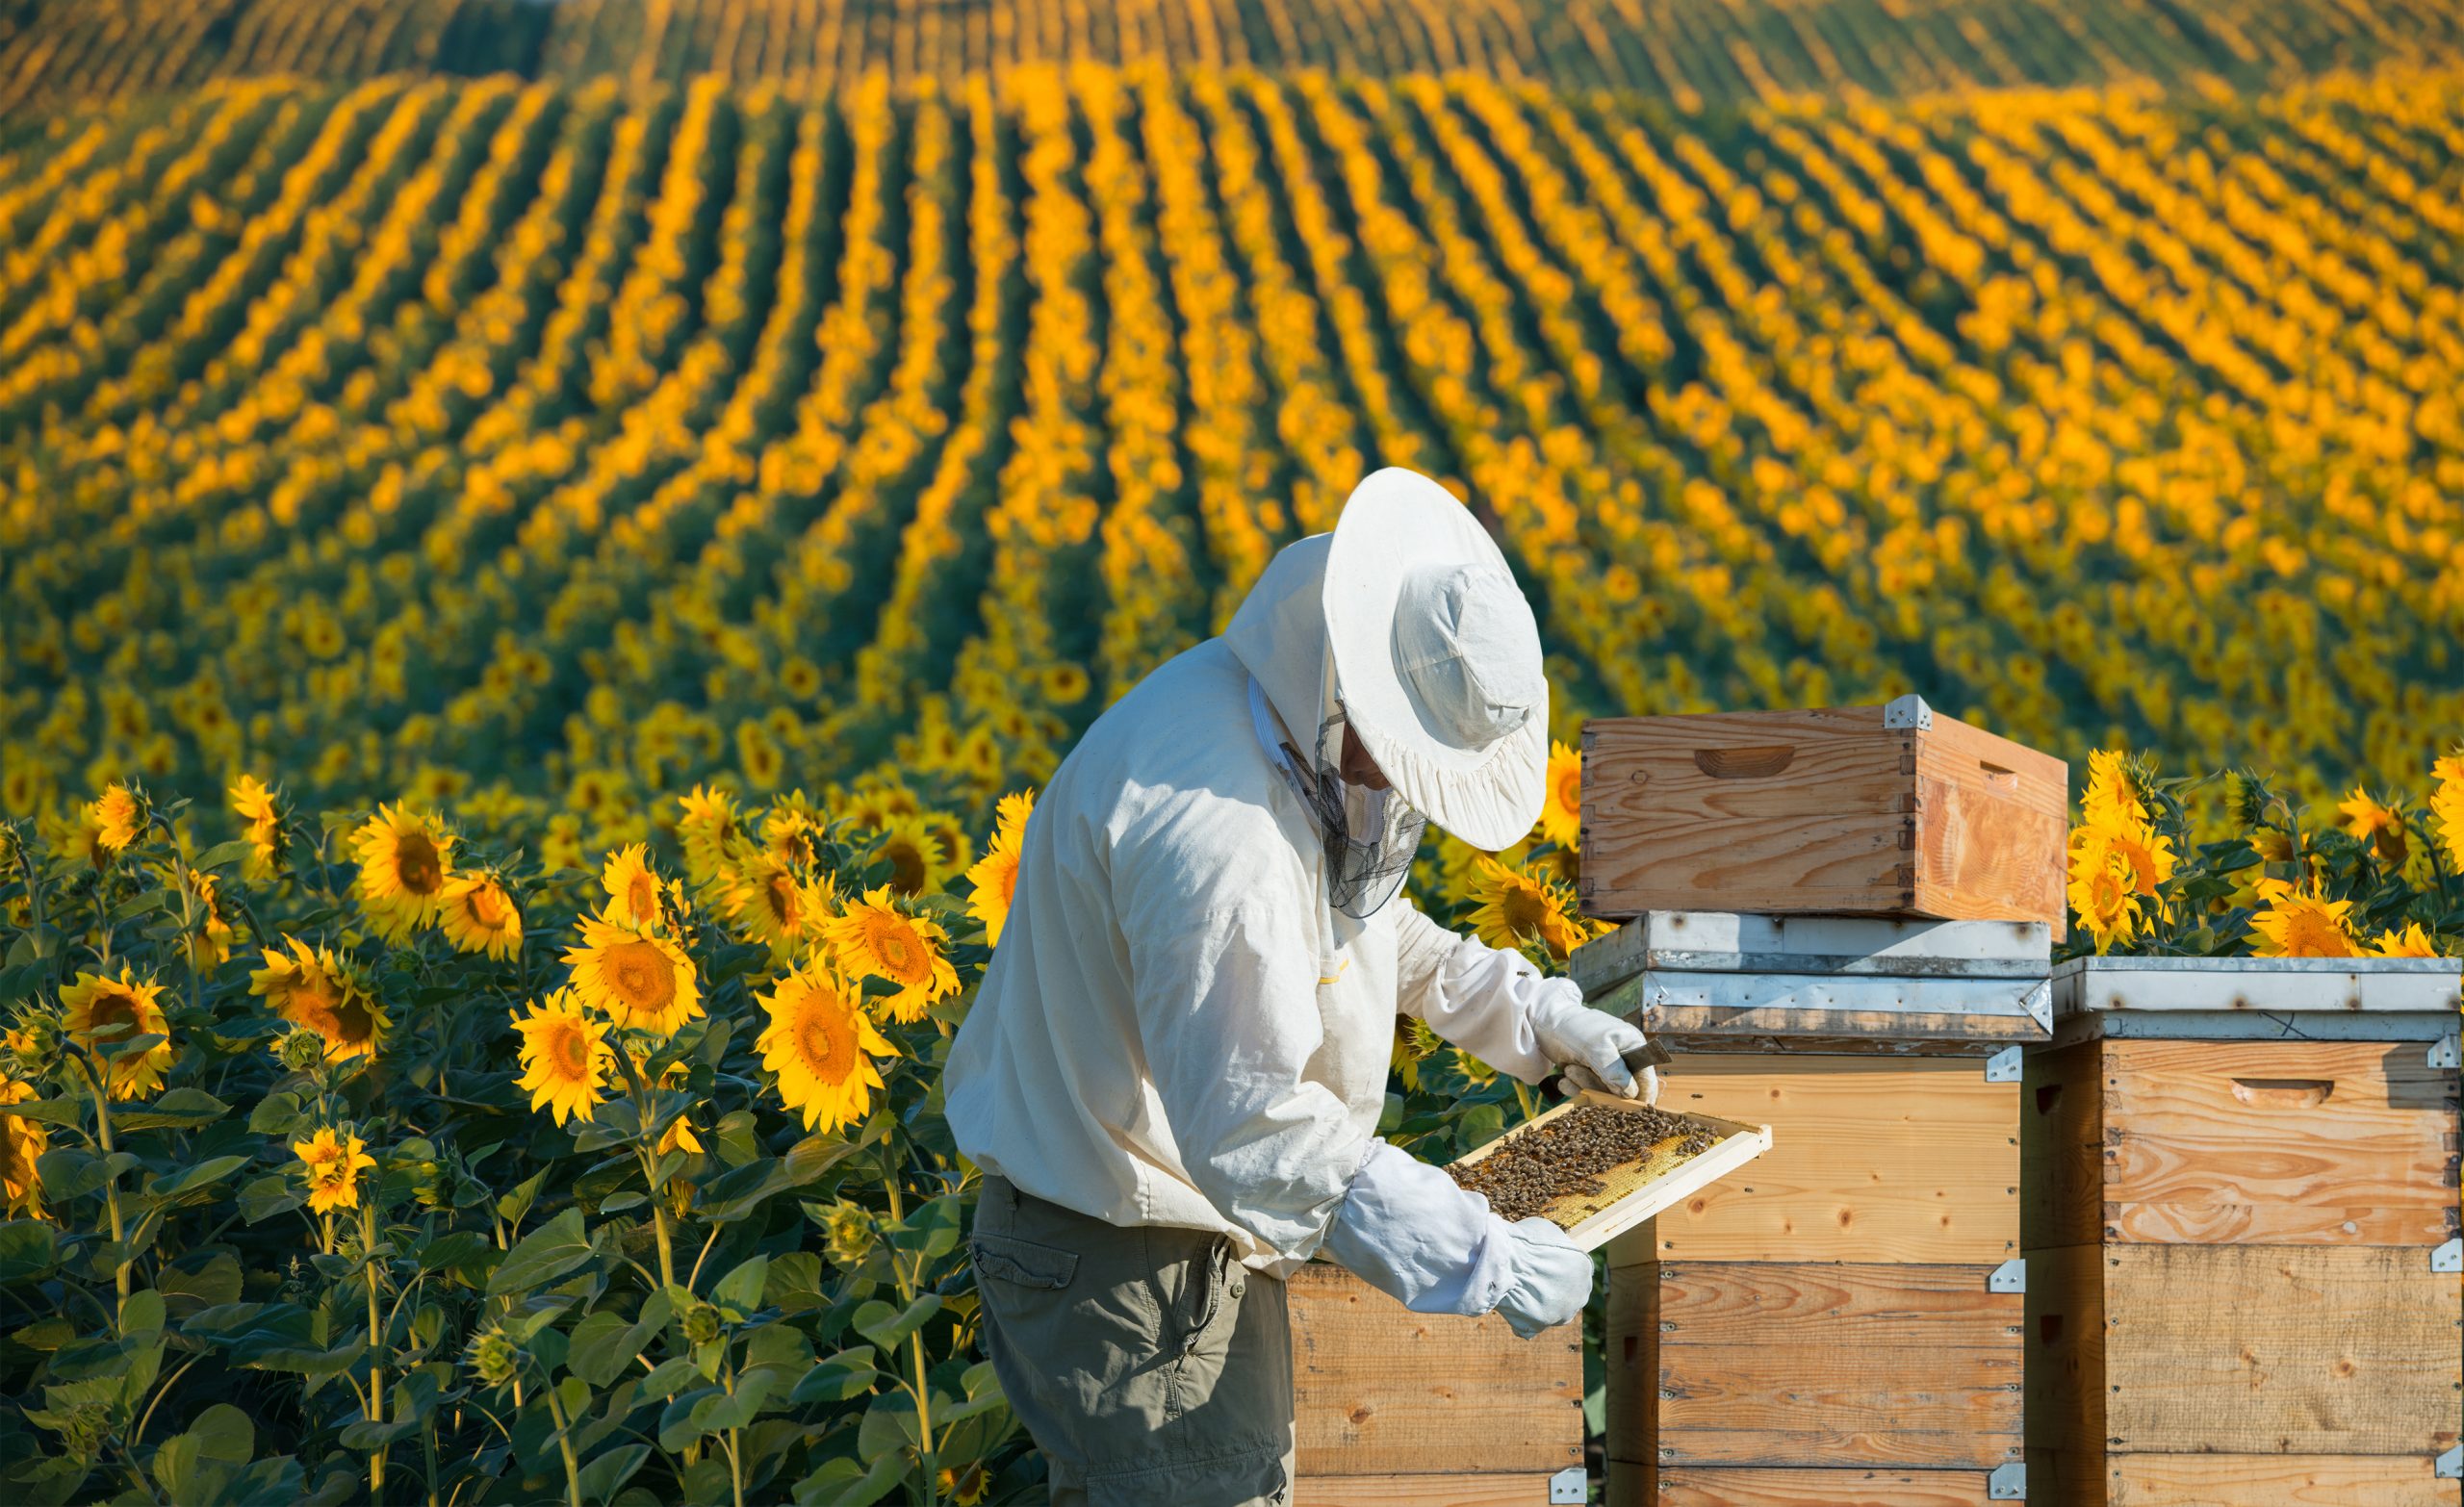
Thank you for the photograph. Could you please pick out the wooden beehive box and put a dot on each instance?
(1837, 1322)
(1397, 1409)
(2242, 1229)
(1889, 811)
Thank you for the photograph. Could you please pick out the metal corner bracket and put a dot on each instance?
(2011, 1276)
(1569, 1485)
(2450, 1465)
(2003, 1067)
(2447, 1051)
(1908, 711)
(2008, 1483)
(2449, 1257)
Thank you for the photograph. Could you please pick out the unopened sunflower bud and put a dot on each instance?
(83, 1432)
(701, 1324)
(33, 1044)
(493, 1358)
(847, 1234)
(301, 1050)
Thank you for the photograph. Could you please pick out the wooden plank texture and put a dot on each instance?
(1820, 810)
(2278, 1143)
(1813, 1365)
(1502, 1490)
(2278, 1481)
(1992, 824)
(2061, 1147)
(1379, 1390)
(1873, 1159)
(2064, 1336)
(2324, 1350)
(1697, 1485)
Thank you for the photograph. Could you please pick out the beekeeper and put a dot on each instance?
(1172, 1076)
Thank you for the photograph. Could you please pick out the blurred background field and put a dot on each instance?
(588, 434)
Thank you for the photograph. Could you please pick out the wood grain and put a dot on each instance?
(1873, 1159)
(2277, 1143)
(2324, 1350)
(1795, 811)
(1379, 1390)
(1992, 817)
(2065, 1334)
(1811, 1365)
(1501, 1490)
(2278, 1481)
(1696, 1486)
(2061, 1133)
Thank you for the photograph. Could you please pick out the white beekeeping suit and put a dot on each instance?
(1189, 1020)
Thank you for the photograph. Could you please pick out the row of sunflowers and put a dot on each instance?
(492, 439)
(1670, 50)
(371, 1157)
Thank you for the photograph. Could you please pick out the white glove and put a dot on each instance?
(1551, 1278)
(1589, 1045)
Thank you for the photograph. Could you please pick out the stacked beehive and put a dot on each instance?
(1839, 1324)
(2241, 1235)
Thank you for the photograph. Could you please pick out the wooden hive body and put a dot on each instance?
(1836, 1322)
(2241, 1219)
(1867, 809)
(1397, 1409)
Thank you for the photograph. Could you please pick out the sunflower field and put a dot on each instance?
(546, 549)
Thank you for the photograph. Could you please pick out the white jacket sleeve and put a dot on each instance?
(1224, 963)
(1484, 1000)
(1408, 1231)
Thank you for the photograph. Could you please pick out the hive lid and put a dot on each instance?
(2187, 987)
(1729, 941)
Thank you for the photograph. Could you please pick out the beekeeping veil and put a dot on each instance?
(1404, 626)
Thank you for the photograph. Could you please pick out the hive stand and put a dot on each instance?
(1397, 1409)
(2242, 1229)
(1837, 1325)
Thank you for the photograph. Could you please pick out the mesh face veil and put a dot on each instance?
(1371, 836)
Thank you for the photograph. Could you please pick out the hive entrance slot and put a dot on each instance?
(1758, 763)
(2284, 1093)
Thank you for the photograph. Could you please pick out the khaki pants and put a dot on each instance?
(1150, 1366)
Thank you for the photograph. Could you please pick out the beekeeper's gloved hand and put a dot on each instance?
(1409, 1230)
(1589, 1045)
(1551, 1278)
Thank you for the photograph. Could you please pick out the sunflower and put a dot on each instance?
(637, 979)
(792, 830)
(919, 860)
(875, 804)
(209, 945)
(565, 1057)
(2102, 893)
(1562, 812)
(633, 895)
(404, 859)
(2447, 804)
(2296, 925)
(1415, 1044)
(2381, 826)
(822, 1045)
(774, 906)
(966, 1486)
(117, 818)
(265, 832)
(2410, 942)
(22, 1144)
(874, 939)
(710, 832)
(2112, 796)
(100, 1011)
(478, 915)
(312, 988)
(996, 876)
(1516, 908)
(332, 1162)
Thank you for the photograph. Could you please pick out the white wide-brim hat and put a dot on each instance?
(1437, 658)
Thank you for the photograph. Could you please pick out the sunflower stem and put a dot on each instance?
(375, 1347)
(111, 1186)
(564, 1446)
